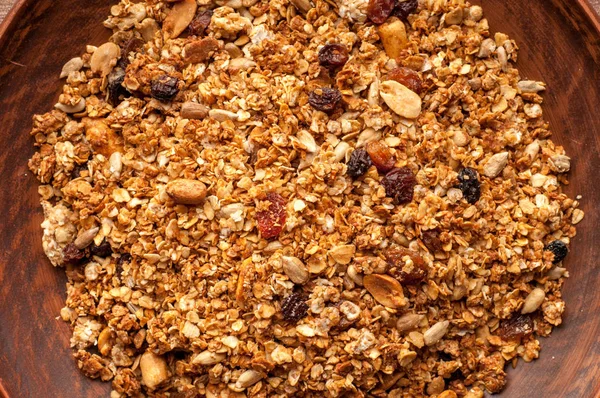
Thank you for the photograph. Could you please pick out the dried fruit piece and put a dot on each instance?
(407, 77)
(404, 8)
(324, 99)
(179, 17)
(400, 184)
(164, 88)
(333, 55)
(272, 219)
(359, 163)
(200, 23)
(187, 192)
(294, 307)
(380, 10)
(406, 265)
(469, 184)
(385, 290)
(516, 328)
(72, 255)
(401, 99)
(559, 249)
(102, 250)
(114, 86)
(431, 240)
(381, 156)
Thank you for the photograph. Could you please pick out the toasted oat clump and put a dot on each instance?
(196, 189)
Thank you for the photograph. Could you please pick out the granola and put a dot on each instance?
(242, 213)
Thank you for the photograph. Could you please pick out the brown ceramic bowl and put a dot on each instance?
(560, 44)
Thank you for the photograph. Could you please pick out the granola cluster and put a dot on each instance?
(275, 198)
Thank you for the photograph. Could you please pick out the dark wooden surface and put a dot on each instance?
(559, 44)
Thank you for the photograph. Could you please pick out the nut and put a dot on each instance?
(342, 254)
(248, 378)
(531, 86)
(208, 358)
(200, 50)
(154, 369)
(86, 238)
(454, 17)
(408, 321)
(401, 99)
(179, 17)
(495, 164)
(393, 37)
(385, 290)
(533, 301)
(239, 64)
(187, 192)
(78, 107)
(72, 65)
(448, 394)
(194, 110)
(307, 141)
(105, 58)
(295, 269)
(560, 163)
(436, 332)
(105, 341)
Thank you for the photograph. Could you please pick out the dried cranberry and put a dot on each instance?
(200, 23)
(333, 55)
(73, 255)
(102, 250)
(431, 240)
(294, 307)
(164, 88)
(516, 328)
(559, 249)
(381, 156)
(468, 183)
(407, 77)
(405, 8)
(272, 220)
(378, 11)
(324, 99)
(114, 85)
(400, 185)
(359, 163)
(406, 265)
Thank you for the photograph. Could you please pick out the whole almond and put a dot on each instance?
(194, 110)
(187, 192)
(408, 321)
(385, 290)
(179, 17)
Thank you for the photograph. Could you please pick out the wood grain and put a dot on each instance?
(559, 44)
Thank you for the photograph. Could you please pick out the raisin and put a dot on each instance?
(468, 183)
(516, 328)
(378, 11)
(406, 265)
(324, 99)
(359, 163)
(114, 85)
(400, 184)
(407, 77)
(72, 255)
(123, 258)
(431, 240)
(131, 45)
(272, 220)
(200, 23)
(405, 8)
(164, 88)
(294, 307)
(381, 156)
(102, 250)
(333, 56)
(559, 249)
